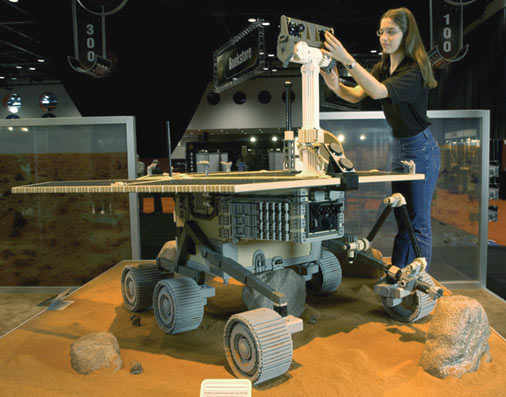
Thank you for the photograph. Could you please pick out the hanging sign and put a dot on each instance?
(240, 59)
(447, 32)
(89, 37)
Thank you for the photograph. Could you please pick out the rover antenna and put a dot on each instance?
(169, 150)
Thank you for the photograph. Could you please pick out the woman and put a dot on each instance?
(401, 81)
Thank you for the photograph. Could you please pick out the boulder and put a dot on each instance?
(457, 338)
(95, 351)
(168, 251)
(286, 281)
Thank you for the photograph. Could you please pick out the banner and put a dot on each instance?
(240, 59)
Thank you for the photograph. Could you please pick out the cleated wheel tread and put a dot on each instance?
(178, 305)
(413, 307)
(137, 285)
(258, 345)
(329, 277)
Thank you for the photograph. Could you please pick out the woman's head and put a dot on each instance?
(399, 32)
(391, 36)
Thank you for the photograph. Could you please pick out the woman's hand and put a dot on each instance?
(331, 78)
(336, 50)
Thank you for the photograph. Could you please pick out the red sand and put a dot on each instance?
(355, 349)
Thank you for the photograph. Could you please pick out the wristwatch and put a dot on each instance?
(350, 66)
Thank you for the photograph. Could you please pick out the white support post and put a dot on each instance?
(311, 136)
(311, 96)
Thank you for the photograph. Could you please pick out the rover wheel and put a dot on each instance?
(258, 345)
(137, 285)
(413, 307)
(178, 305)
(328, 277)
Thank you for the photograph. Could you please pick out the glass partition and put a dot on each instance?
(65, 239)
(460, 203)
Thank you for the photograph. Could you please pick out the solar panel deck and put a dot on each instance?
(219, 182)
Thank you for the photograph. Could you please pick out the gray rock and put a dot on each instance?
(95, 351)
(286, 281)
(457, 338)
(136, 368)
(168, 251)
(136, 320)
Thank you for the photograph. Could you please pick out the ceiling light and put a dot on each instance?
(340, 138)
(31, 68)
(266, 68)
(270, 55)
(362, 137)
(2, 77)
(13, 1)
(274, 70)
(274, 138)
(374, 51)
(24, 129)
(252, 139)
(10, 128)
(266, 23)
(19, 67)
(252, 20)
(41, 60)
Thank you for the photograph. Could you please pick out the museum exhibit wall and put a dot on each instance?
(63, 239)
(460, 202)
(252, 113)
(30, 95)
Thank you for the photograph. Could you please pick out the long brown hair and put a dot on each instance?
(413, 45)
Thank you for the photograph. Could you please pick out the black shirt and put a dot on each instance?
(406, 107)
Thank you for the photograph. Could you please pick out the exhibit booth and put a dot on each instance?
(348, 345)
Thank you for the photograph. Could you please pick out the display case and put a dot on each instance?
(460, 202)
(65, 240)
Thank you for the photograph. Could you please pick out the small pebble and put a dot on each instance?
(136, 368)
(136, 320)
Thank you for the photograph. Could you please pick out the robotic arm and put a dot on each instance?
(300, 42)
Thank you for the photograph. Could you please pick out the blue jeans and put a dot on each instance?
(424, 151)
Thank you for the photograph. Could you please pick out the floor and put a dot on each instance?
(18, 306)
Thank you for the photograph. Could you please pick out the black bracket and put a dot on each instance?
(341, 167)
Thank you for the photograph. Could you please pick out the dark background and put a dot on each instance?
(162, 52)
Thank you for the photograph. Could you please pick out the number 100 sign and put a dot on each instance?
(446, 27)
